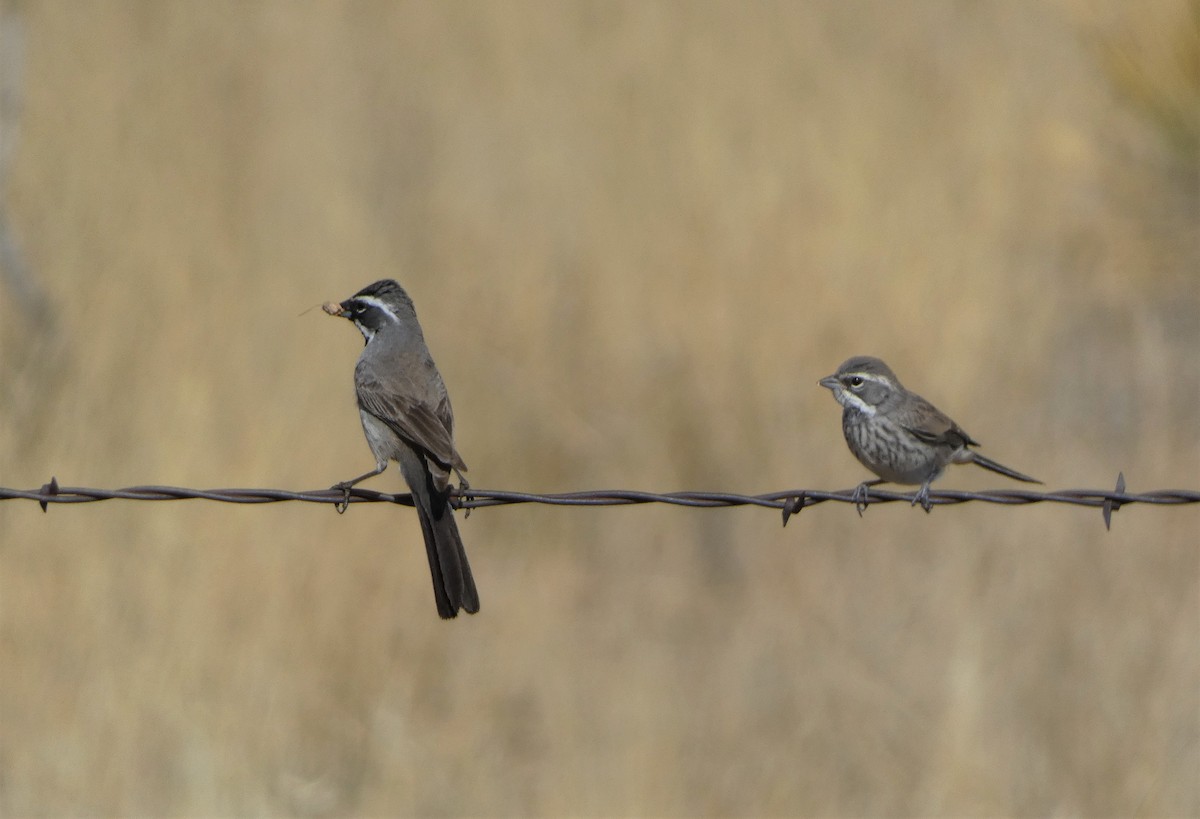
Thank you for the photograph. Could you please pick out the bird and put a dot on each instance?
(406, 417)
(897, 434)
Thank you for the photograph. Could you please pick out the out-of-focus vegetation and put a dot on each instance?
(637, 233)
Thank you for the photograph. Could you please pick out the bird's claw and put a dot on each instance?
(462, 493)
(922, 497)
(344, 504)
(860, 497)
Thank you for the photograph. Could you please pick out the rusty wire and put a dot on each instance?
(788, 502)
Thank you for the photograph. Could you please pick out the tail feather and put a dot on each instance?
(445, 608)
(453, 583)
(456, 571)
(1000, 469)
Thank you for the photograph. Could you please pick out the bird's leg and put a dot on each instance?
(346, 486)
(463, 490)
(861, 494)
(922, 497)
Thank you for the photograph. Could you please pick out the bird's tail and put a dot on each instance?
(453, 583)
(1001, 469)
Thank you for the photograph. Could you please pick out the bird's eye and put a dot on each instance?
(856, 381)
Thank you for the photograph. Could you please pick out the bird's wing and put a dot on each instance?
(929, 424)
(413, 419)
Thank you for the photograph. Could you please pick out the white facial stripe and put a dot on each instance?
(849, 399)
(374, 302)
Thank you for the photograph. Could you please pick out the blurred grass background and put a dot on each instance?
(637, 233)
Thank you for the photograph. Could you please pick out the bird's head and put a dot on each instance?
(863, 383)
(375, 307)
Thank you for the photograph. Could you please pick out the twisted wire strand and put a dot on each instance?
(790, 501)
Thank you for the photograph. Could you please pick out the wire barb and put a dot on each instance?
(49, 490)
(1113, 504)
(793, 506)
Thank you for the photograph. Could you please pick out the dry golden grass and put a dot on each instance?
(637, 234)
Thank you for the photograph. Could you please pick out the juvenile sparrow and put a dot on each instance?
(406, 417)
(897, 434)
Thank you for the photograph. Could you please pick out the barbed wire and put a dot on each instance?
(789, 502)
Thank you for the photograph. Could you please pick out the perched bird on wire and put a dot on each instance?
(897, 434)
(406, 417)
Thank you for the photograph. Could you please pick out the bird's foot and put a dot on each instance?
(463, 493)
(922, 497)
(343, 487)
(861, 497)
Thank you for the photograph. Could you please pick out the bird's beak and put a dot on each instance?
(333, 308)
(830, 382)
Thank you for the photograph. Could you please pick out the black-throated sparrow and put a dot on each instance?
(406, 417)
(897, 434)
